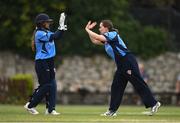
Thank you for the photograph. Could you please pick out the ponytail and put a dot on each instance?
(116, 30)
(33, 41)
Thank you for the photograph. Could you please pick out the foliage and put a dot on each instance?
(136, 35)
(17, 22)
(146, 41)
(155, 3)
(19, 88)
(17, 25)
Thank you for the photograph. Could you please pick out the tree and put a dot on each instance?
(17, 25)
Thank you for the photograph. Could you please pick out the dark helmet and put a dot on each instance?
(42, 18)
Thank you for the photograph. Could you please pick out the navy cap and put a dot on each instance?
(42, 18)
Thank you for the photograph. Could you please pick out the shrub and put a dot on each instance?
(144, 41)
(20, 87)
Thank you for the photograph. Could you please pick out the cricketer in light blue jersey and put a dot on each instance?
(127, 67)
(45, 48)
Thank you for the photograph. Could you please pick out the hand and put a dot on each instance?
(62, 19)
(87, 26)
(90, 25)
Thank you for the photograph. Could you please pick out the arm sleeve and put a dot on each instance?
(57, 35)
(110, 36)
(106, 35)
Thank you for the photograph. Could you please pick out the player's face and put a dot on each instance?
(47, 25)
(102, 29)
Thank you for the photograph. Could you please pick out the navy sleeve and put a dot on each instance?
(57, 35)
(107, 38)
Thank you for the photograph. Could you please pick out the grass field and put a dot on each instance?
(90, 114)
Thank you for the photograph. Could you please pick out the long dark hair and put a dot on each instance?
(38, 26)
(33, 41)
(109, 25)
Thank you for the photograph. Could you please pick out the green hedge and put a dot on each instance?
(20, 87)
(145, 41)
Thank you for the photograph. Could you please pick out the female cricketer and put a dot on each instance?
(127, 67)
(44, 47)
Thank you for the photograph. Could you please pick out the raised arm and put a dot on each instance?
(94, 37)
(62, 27)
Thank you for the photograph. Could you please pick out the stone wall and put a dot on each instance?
(11, 64)
(94, 74)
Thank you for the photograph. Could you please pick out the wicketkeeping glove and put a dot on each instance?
(62, 19)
